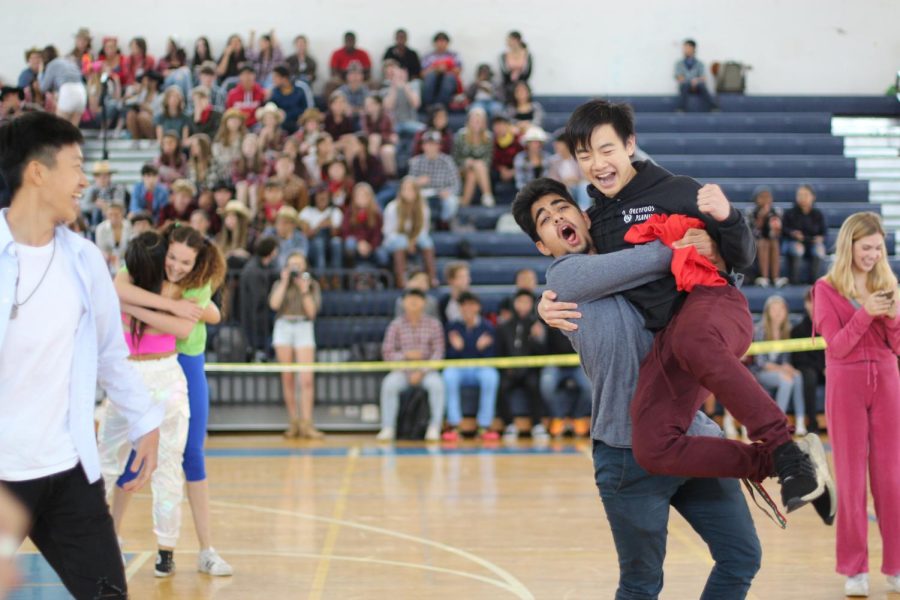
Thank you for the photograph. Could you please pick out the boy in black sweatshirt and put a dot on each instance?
(701, 336)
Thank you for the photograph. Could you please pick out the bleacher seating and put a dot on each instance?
(780, 142)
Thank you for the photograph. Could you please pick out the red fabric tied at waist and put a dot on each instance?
(690, 269)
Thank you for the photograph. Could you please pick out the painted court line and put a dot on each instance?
(508, 582)
(136, 564)
(340, 506)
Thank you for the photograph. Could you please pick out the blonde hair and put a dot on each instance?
(784, 330)
(840, 275)
(173, 91)
(372, 212)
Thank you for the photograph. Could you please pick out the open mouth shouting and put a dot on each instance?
(567, 233)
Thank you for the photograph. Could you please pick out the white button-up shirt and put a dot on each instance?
(100, 350)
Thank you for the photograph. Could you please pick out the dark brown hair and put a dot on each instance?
(209, 266)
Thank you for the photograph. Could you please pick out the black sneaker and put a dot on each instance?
(797, 476)
(825, 504)
(165, 563)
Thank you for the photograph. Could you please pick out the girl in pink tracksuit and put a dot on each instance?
(855, 309)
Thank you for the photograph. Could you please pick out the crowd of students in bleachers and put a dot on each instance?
(285, 186)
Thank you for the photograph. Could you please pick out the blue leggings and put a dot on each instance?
(194, 462)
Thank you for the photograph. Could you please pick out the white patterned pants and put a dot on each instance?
(167, 385)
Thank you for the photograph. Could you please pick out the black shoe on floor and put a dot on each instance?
(165, 563)
(797, 476)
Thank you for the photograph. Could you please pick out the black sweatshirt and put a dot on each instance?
(656, 191)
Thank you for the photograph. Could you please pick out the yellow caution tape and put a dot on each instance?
(513, 362)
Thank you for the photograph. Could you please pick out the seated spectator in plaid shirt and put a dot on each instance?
(355, 90)
(143, 103)
(534, 161)
(291, 97)
(247, 95)
(414, 336)
(217, 96)
(340, 120)
(437, 176)
(181, 206)
(265, 57)
(301, 64)
(438, 120)
(96, 198)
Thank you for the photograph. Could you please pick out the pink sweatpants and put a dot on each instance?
(863, 412)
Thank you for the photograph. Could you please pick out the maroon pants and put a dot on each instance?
(700, 350)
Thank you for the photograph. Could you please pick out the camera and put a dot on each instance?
(294, 273)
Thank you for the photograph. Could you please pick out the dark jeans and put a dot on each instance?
(701, 349)
(438, 88)
(527, 380)
(812, 377)
(637, 507)
(73, 529)
(684, 88)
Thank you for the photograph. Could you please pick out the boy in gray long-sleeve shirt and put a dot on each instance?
(611, 341)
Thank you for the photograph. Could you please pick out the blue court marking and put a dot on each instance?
(39, 580)
(370, 451)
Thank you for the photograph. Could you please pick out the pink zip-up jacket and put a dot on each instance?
(852, 334)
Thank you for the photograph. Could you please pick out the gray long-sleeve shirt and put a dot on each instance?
(60, 71)
(611, 339)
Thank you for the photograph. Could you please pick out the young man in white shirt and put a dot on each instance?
(61, 331)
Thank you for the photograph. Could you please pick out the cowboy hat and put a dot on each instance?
(101, 167)
(287, 212)
(534, 134)
(234, 112)
(237, 207)
(270, 108)
(310, 114)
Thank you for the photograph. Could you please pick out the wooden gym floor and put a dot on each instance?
(349, 518)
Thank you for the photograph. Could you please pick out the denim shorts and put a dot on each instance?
(294, 332)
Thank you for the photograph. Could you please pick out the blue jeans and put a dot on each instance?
(438, 88)
(559, 402)
(486, 378)
(637, 507)
(684, 88)
(323, 246)
(785, 391)
(379, 255)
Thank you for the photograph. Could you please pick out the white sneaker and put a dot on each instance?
(511, 433)
(762, 282)
(487, 200)
(539, 433)
(800, 429)
(857, 586)
(781, 282)
(385, 435)
(432, 434)
(893, 582)
(211, 563)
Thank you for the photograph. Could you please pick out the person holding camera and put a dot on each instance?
(855, 309)
(296, 298)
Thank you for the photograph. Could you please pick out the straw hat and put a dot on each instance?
(270, 108)
(237, 207)
(234, 112)
(101, 167)
(288, 212)
(534, 134)
(310, 114)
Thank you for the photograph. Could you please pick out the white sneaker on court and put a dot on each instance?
(432, 434)
(893, 582)
(385, 435)
(487, 200)
(857, 586)
(209, 561)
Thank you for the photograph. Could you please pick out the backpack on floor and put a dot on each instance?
(413, 415)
